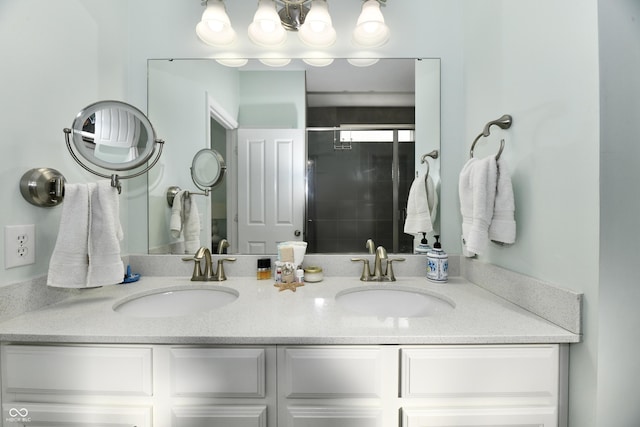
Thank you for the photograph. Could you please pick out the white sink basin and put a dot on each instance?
(393, 301)
(176, 301)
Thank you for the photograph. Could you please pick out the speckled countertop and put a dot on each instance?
(264, 315)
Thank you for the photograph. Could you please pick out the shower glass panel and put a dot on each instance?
(357, 186)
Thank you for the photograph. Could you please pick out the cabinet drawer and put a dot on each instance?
(480, 371)
(332, 372)
(218, 372)
(77, 370)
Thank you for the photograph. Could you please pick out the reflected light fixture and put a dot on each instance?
(215, 27)
(266, 29)
(371, 31)
(317, 29)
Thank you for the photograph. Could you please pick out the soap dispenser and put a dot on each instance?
(423, 247)
(437, 263)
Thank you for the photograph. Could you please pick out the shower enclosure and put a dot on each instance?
(358, 180)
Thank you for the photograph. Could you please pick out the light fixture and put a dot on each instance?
(266, 29)
(233, 62)
(317, 29)
(371, 31)
(215, 27)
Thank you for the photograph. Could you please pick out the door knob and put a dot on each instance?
(297, 233)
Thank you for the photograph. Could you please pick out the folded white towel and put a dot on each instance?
(69, 264)
(503, 224)
(191, 226)
(422, 206)
(477, 192)
(176, 221)
(105, 232)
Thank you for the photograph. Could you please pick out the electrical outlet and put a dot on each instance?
(19, 245)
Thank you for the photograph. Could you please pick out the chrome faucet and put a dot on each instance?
(208, 274)
(379, 274)
(222, 244)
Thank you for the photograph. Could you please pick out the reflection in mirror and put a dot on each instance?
(113, 135)
(207, 169)
(363, 131)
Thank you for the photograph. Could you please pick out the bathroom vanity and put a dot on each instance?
(283, 358)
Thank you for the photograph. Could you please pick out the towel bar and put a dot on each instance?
(173, 191)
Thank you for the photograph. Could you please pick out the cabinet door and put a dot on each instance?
(219, 415)
(40, 414)
(480, 417)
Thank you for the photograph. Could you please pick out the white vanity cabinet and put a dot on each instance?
(141, 386)
(284, 386)
(421, 386)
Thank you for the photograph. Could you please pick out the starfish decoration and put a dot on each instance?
(291, 286)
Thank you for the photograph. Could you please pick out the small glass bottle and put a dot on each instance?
(264, 269)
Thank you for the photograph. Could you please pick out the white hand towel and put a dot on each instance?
(477, 192)
(418, 210)
(503, 224)
(69, 263)
(105, 232)
(191, 227)
(176, 221)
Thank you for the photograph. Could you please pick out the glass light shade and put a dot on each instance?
(266, 29)
(233, 62)
(215, 27)
(363, 62)
(275, 62)
(317, 30)
(371, 31)
(318, 62)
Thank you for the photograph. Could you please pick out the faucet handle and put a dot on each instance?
(219, 275)
(366, 273)
(390, 276)
(197, 270)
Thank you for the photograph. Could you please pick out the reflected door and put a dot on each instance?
(271, 186)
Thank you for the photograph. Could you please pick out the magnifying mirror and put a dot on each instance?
(115, 136)
(207, 169)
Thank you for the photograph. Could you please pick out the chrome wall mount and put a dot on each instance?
(434, 155)
(503, 122)
(42, 187)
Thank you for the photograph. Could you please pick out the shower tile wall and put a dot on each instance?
(350, 191)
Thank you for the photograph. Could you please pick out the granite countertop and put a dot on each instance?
(264, 315)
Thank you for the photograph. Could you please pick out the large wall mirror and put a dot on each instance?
(321, 154)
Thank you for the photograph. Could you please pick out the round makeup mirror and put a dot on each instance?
(113, 135)
(207, 169)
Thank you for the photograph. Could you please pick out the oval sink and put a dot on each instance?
(176, 301)
(393, 301)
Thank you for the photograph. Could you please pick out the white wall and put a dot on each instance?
(57, 58)
(542, 68)
(619, 323)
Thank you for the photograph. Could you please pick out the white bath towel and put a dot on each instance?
(176, 221)
(105, 233)
(477, 192)
(503, 224)
(69, 263)
(422, 205)
(191, 226)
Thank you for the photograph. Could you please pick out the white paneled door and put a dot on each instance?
(271, 188)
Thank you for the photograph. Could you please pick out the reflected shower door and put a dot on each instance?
(357, 187)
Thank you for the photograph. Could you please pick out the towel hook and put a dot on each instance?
(503, 122)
